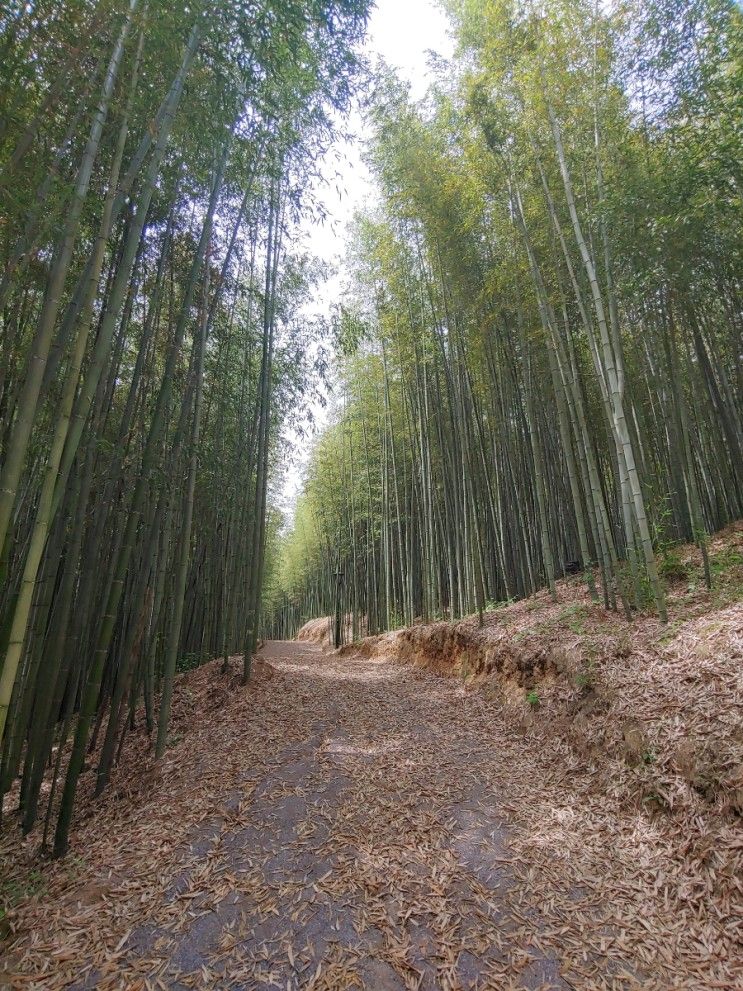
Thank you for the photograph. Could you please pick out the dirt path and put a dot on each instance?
(358, 828)
(372, 855)
(374, 852)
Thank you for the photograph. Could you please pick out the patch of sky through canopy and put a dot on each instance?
(402, 33)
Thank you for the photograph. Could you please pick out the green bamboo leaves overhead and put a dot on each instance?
(548, 376)
(151, 163)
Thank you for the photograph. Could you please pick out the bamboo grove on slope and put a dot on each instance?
(543, 338)
(152, 159)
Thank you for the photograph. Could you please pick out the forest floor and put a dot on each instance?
(353, 819)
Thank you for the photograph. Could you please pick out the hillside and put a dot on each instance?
(652, 710)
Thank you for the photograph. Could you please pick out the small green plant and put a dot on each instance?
(670, 632)
(648, 756)
(726, 560)
(671, 566)
(661, 516)
(492, 604)
(637, 593)
(645, 598)
(532, 697)
(573, 617)
(188, 662)
(585, 678)
(12, 892)
(74, 865)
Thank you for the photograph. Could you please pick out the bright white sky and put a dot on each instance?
(402, 32)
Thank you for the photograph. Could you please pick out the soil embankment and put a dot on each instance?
(654, 710)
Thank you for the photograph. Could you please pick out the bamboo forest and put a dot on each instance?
(374, 621)
(541, 344)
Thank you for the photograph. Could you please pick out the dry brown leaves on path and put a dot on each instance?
(356, 822)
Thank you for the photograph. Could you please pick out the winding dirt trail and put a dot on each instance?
(360, 828)
(373, 855)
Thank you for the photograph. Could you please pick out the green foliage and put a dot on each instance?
(471, 313)
(655, 801)
(585, 677)
(154, 161)
(532, 698)
(492, 605)
(726, 561)
(188, 662)
(638, 592)
(670, 633)
(574, 616)
(672, 567)
(14, 891)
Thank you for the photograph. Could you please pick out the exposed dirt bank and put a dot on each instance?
(656, 711)
(316, 631)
